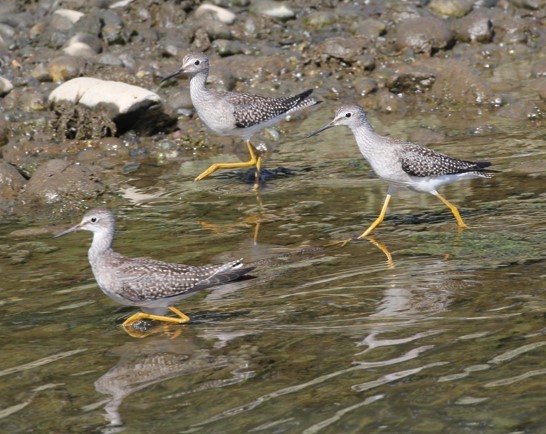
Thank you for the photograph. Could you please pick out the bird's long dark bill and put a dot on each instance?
(168, 77)
(72, 229)
(320, 130)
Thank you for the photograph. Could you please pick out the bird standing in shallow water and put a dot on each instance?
(144, 282)
(404, 164)
(235, 114)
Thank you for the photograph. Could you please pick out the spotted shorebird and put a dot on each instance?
(404, 164)
(152, 285)
(235, 114)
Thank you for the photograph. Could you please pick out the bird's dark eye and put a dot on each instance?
(93, 219)
(196, 63)
(347, 115)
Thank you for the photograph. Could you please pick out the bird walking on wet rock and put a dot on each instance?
(235, 114)
(404, 164)
(152, 285)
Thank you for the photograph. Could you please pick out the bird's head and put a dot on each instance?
(192, 64)
(97, 220)
(350, 115)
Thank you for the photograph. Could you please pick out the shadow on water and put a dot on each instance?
(418, 329)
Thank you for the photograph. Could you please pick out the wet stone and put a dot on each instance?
(345, 49)
(61, 182)
(128, 106)
(79, 49)
(5, 87)
(319, 20)
(4, 131)
(169, 15)
(63, 19)
(221, 14)
(109, 59)
(369, 28)
(41, 73)
(529, 4)
(450, 8)
(11, 181)
(225, 48)
(541, 88)
(365, 62)
(33, 100)
(385, 101)
(475, 27)
(82, 123)
(458, 82)
(538, 69)
(90, 24)
(411, 79)
(508, 28)
(520, 110)
(113, 31)
(215, 28)
(423, 35)
(274, 9)
(93, 42)
(65, 68)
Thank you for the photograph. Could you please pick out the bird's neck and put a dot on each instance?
(101, 245)
(366, 139)
(198, 86)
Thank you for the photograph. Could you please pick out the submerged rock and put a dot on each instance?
(62, 183)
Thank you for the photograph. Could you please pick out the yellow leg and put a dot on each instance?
(454, 210)
(183, 318)
(255, 159)
(257, 173)
(379, 219)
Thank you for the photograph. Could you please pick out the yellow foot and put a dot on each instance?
(183, 318)
(172, 331)
(255, 161)
(341, 243)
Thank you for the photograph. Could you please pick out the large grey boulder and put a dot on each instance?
(128, 106)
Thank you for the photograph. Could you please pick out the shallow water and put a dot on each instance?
(447, 336)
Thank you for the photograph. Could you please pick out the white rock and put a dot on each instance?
(79, 49)
(69, 14)
(121, 4)
(222, 14)
(5, 87)
(273, 9)
(91, 92)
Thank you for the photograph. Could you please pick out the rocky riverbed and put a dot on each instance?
(480, 60)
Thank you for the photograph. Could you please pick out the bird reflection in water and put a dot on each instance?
(254, 219)
(144, 363)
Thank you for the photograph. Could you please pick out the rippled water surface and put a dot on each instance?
(447, 336)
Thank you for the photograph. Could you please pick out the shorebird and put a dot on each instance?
(235, 114)
(152, 285)
(404, 164)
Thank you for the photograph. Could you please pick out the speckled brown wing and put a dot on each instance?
(250, 110)
(148, 279)
(419, 161)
